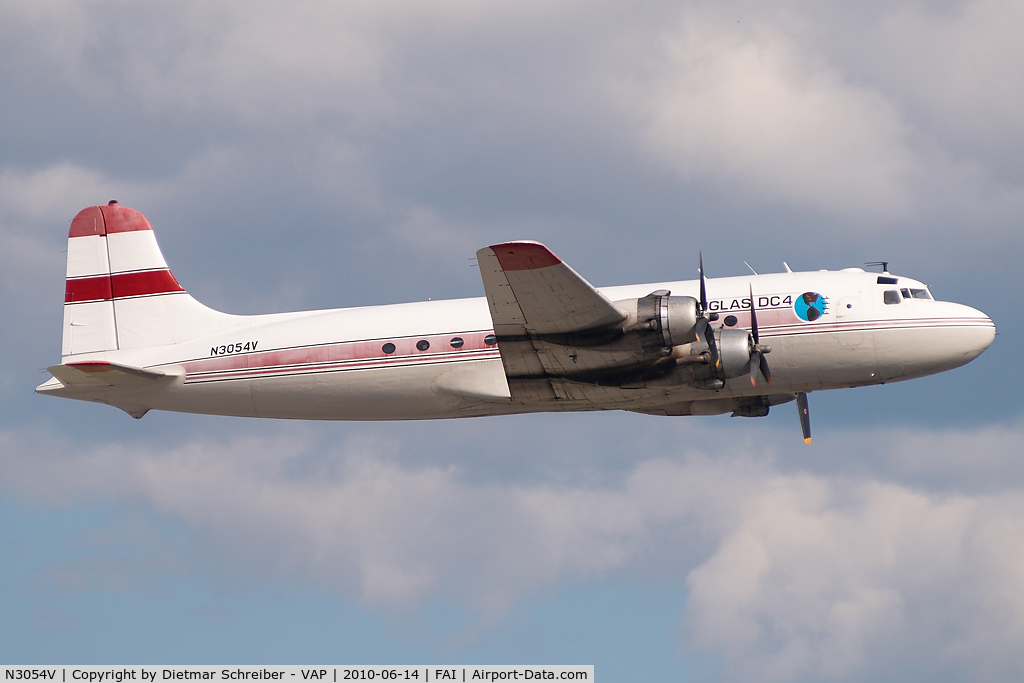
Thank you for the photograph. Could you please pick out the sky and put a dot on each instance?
(323, 154)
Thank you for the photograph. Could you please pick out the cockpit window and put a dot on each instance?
(885, 280)
(905, 292)
(920, 294)
(891, 296)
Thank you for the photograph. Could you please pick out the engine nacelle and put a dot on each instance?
(663, 321)
(734, 348)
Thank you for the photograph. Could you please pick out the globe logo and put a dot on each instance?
(810, 306)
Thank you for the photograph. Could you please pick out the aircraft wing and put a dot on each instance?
(532, 294)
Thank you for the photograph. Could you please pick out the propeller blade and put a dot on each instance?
(755, 361)
(764, 369)
(805, 418)
(702, 332)
(706, 334)
(703, 289)
(709, 339)
(753, 318)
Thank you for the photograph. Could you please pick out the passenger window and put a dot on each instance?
(891, 296)
(388, 348)
(457, 342)
(422, 345)
(490, 340)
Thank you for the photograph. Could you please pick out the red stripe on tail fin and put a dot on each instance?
(141, 284)
(120, 285)
(87, 289)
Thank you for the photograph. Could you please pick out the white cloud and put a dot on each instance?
(819, 578)
(785, 108)
(959, 70)
(53, 194)
(746, 109)
(767, 111)
(791, 575)
(36, 207)
(258, 63)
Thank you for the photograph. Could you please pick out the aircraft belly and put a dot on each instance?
(232, 399)
(801, 362)
(220, 398)
(372, 394)
(853, 360)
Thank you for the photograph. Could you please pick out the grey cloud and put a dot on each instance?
(954, 68)
(510, 113)
(821, 579)
(761, 113)
(791, 574)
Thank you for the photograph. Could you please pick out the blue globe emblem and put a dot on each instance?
(810, 306)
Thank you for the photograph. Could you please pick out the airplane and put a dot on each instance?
(543, 339)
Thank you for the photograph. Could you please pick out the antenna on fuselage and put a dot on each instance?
(884, 264)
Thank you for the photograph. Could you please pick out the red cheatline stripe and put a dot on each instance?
(120, 285)
(524, 256)
(251, 373)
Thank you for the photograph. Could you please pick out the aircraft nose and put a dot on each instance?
(977, 331)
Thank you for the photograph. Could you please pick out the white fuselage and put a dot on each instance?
(335, 364)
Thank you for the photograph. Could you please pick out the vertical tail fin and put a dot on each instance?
(120, 293)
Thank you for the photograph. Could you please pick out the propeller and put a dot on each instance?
(704, 331)
(805, 418)
(759, 350)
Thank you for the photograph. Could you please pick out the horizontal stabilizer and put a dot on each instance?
(104, 374)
